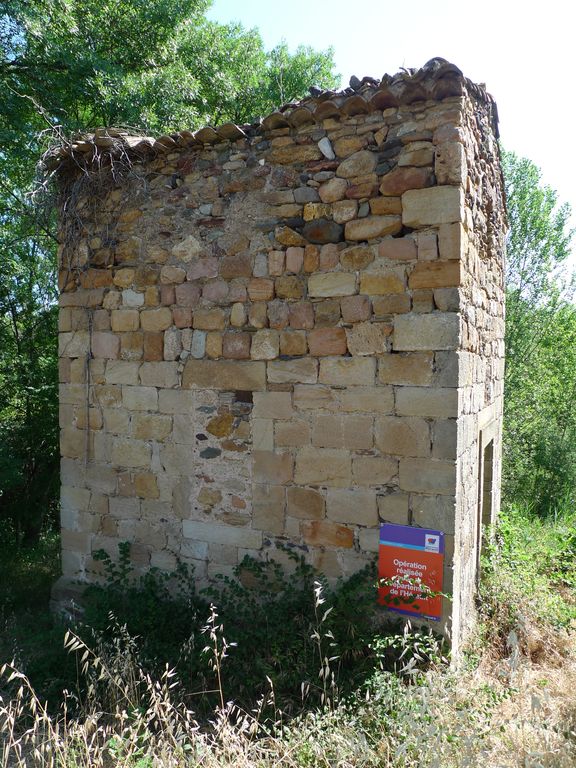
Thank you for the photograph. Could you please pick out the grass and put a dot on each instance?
(511, 703)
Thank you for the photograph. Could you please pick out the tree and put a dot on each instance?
(540, 419)
(68, 66)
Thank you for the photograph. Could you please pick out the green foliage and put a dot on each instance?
(268, 617)
(529, 574)
(70, 66)
(540, 418)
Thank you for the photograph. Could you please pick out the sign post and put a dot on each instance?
(410, 570)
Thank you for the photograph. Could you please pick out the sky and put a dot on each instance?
(525, 53)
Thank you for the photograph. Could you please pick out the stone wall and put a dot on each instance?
(283, 334)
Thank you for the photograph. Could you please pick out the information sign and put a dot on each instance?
(410, 568)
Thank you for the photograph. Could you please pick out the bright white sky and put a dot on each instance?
(523, 51)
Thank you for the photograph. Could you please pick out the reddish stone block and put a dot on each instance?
(329, 256)
(182, 317)
(355, 308)
(278, 314)
(187, 294)
(167, 295)
(294, 259)
(153, 346)
(261, 289)
(238, 265)
(236, 346)
(302, 315)
(327, 341)
(311, 258)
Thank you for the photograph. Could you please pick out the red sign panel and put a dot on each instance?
(410, 570)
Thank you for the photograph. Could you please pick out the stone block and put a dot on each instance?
(224, 374)
(382, 282)
(160, 374)
(354, 507)
(398, 181)
(304, 503)
(146, 485)
(261, 289)
(125, 320)
(356, 258)
(258, 314)
(294, 259)
(73, 444)
(438, 512)
(221, 534)
(369, 539)
(333, 190)
(323, 466)
(335, 431)
(325, 533)
(372, 227)
(452, 241)
(236, 346)
(390, 304)
(427, 246)
(155, 319)
(209, 319)
(289, 287)
(428, 402)
(276, 263)
(344, 210)
(427, 476)
(435, 205)
(357, 164)
(176, 401)
(273, 405)
(299, 371)
(327, 341)
(393, 508)
(367, 338)
(291, 434)
(327, 313)
(140, 398)
(370, 471)
(414, 332)
(422, 300)
(414, 368)
(268, 508)
(354, 309)
(73, 344)
(366, 399)
(186, 295)
(331, 284)
(293, 343)
(130, 453)
(447, 299)
(153, 346)
(385, 206)
(450, 165)
(151, 426)
(105, 345)
(301, 315)
(122, 372)
(273, 467)
(398, 249)
(265, 345)
(435, 274)
(131, 345)
(445, 439)
(347, 372)
(329, 257)
(406, 436)
(262, 435)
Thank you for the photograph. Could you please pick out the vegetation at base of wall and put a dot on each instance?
(512, 703)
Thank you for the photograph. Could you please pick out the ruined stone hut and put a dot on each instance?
(280, 334)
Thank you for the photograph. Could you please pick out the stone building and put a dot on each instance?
(284, 333)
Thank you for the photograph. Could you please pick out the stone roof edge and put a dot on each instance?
(438, 79)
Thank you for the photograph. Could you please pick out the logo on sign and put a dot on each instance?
(432, 543)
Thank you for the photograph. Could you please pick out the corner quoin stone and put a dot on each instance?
(433, 205)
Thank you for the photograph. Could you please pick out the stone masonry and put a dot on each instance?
(285, 333)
